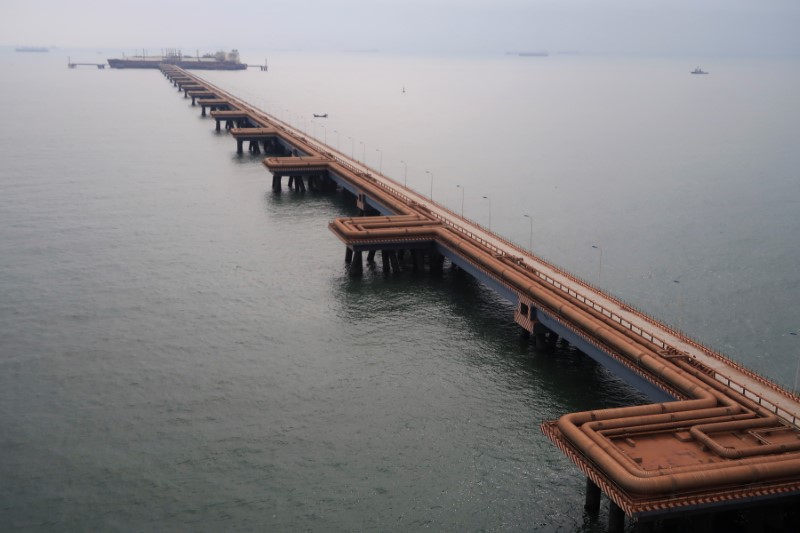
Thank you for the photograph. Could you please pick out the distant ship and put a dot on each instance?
(698, 70)
(534, 54)
(32, 49)
(219, 61)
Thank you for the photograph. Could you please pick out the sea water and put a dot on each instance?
(183, 349)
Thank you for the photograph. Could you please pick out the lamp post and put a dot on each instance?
(380, 163)
(462, 200)
(325, 131)
(405, 174)
(352, 147)
(337, 139)
(431, 173)
(599, 264)
(490, 211)
(680, 306)
(363, 153)
(530, 237)
(797, 370)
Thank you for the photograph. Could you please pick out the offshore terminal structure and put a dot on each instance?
(171, 56)
(717, 437)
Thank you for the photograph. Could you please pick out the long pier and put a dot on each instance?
(718, 437)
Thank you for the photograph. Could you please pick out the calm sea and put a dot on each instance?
(182, 349)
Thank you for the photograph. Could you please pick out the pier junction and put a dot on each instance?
(718, 437)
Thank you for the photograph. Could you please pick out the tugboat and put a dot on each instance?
(698, 70)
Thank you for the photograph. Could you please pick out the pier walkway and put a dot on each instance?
(720, 435)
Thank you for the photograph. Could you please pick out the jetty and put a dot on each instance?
(717, 436)
(72, 64)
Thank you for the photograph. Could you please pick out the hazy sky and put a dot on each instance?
(680, 27)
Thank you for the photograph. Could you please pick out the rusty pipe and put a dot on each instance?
(701, 433)
(625, 430)
(409, 224)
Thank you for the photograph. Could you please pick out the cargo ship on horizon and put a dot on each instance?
(218, 61)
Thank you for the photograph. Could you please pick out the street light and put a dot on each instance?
(363, 152)
(325, 130)
(337, 139)
(431, 173)
(599, 264)
(680, 307)
(530, 238)
(797, 371)
(405, 174)
(352, 147)
(380, 164)
(490, 211)
(462, 200)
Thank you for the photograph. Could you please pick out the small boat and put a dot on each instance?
(698, 70)
(321, 116)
